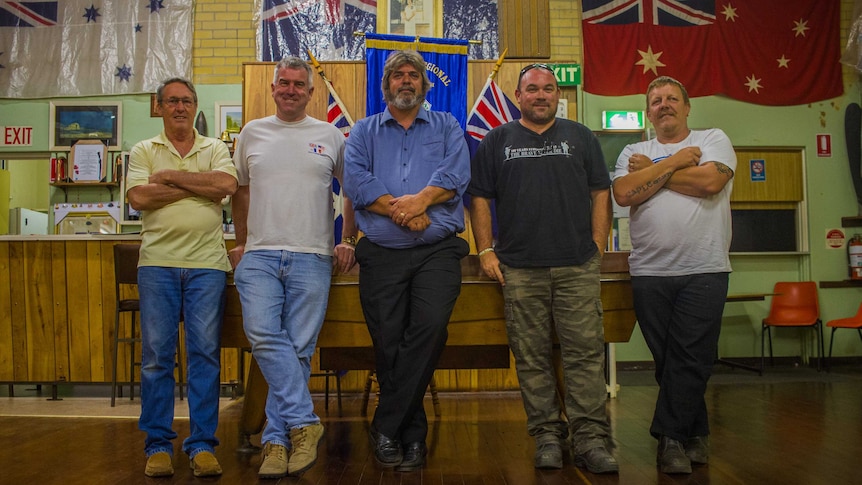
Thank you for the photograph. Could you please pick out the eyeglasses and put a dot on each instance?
(534, 66)
(174, 102)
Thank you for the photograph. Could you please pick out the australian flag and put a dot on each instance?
(492, 109)
(325, 27)
(769, 52)
(28, 14)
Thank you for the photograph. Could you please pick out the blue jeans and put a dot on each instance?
(200, 295)
(284, 296)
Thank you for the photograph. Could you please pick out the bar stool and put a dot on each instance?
(126, 273)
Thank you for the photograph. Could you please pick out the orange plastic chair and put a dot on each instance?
(851, 322)
(795, 304)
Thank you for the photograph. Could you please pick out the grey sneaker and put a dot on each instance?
(305, 442)
(671, 456)
(549, 453)
(697, 450)
(273, 463)
(598, 460)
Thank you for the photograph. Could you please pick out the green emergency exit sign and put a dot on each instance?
(567, 74)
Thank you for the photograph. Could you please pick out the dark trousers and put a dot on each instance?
(407, 298)
(680, 317)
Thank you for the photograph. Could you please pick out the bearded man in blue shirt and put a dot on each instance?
(405, 170)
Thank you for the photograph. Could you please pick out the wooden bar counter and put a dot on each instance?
(57, 310)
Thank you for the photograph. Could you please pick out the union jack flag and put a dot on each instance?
(291, 27)
(672, 13)
(336, 117)
(492, 109)
(28, 14)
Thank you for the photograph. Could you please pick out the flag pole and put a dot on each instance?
(490, 78)
(330, 88)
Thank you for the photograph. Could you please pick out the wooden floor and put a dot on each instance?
(792, 426)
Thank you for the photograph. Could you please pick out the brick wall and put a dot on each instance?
(223, 39)
(565, 30)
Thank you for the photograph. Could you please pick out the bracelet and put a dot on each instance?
(486, 251)
(349, 240)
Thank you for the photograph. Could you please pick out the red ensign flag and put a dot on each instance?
(770, 52)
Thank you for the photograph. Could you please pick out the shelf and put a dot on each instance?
(841, 284)
(853, 221)
(85, 184)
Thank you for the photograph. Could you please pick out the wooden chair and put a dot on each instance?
(795, 304)
(126, 273)
(851, 322)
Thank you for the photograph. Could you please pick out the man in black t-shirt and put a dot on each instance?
(551, 187)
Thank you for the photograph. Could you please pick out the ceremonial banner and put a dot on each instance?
(325, 27)
(769, 52)
(446, 63)
(81, 48)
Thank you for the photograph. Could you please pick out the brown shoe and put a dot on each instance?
(273, 461)
(159, 465)
(205, 464)
(304, 452)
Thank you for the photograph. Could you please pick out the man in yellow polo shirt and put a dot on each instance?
(177, 180)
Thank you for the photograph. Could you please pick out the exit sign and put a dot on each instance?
(567, 74)
(623, 120)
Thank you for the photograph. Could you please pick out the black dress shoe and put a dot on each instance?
(386, 450)
(414, 457)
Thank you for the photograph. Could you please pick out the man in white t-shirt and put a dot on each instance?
(678, 187)
(283, 258)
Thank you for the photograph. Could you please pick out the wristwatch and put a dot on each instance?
(349, 240)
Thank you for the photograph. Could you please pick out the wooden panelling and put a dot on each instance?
(525, 28)
(784, 175)
(6, 342)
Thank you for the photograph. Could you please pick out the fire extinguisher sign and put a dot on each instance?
(824, 145)
(834, 239)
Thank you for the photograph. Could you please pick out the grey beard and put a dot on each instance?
(404, 103)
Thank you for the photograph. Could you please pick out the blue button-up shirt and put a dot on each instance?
(381, 157)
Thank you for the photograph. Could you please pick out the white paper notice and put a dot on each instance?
(88, 163)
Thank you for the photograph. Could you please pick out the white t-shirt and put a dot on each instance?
(289, 168)
(675, 234)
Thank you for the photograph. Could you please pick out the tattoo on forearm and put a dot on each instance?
(649, 185)
(723, 169)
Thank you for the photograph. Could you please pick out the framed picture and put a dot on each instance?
(154, 107)
(228, 118)
(423, 18)
(70, 121)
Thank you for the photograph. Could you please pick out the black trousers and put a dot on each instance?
(680, 317)
(407, 297)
